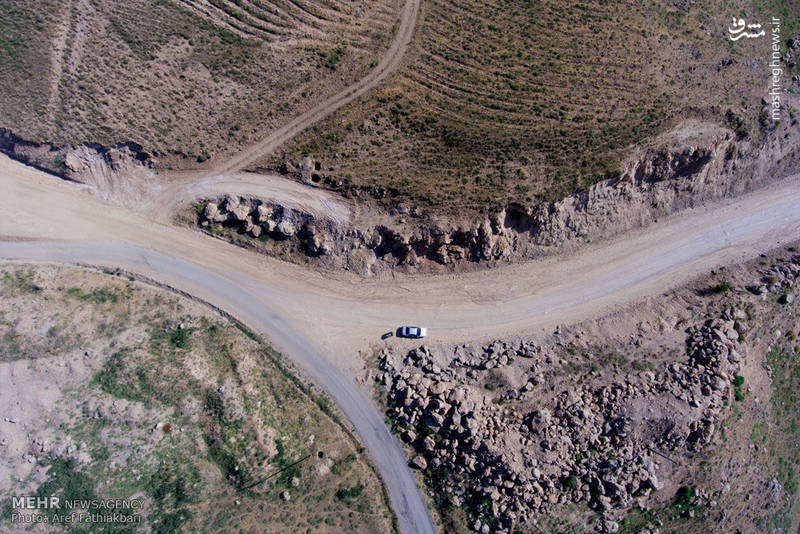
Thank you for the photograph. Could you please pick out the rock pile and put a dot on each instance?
(257, 218)
(506, 456)
(779, 279)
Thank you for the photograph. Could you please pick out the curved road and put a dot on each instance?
(407, 502)
(47, 207)
(258, 313)
(160, 198)
(320, 203)
(322, 321)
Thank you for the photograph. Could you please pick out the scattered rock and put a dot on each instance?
(419, 462)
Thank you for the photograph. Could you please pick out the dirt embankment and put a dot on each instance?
(693, 164)
(75, 162)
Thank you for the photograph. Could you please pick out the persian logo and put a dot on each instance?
(737, 30)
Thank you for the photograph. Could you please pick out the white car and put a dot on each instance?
(412, 331)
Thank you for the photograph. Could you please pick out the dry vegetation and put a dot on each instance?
(118, 390)
(524, 101)
(198, 78)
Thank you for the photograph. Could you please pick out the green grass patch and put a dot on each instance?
(122, 376)
(100, 295)
(738, 382)
(176, 338)
(675, 516)
(171, 489)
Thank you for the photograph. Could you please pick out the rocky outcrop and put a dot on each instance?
(509, 429)
(258, 218)
(74, 162)
(691, 165)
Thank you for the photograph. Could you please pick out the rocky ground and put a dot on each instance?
(616, 416)
(691, 165)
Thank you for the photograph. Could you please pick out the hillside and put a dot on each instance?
(528, 101)
(118, 390)
(678, 414)
(199, 79)
(498, 102)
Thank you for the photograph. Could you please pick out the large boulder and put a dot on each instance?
(231, 203)
(240, 212)
(419, 462)
(317, 245)
(285, 227)
(263, 213)
(211, 211)
(269, 226)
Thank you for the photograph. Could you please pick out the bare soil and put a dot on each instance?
(187, 80)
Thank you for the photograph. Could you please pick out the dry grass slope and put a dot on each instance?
(198, 78)
(521, 100)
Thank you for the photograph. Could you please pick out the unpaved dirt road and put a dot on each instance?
(388, 64)
(38, 229)
(159, 200)
(161, 196)
(321, 321)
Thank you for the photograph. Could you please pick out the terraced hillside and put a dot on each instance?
(199, 78)
(280, 19)
(521, 100)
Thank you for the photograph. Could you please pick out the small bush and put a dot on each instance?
(177, 338)
(738, 382)
(347, 494)
(20, 281)
(684, 496)
(722, 287)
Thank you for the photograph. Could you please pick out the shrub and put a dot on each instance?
(722, 287)
(738, 382)
(346, 494)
